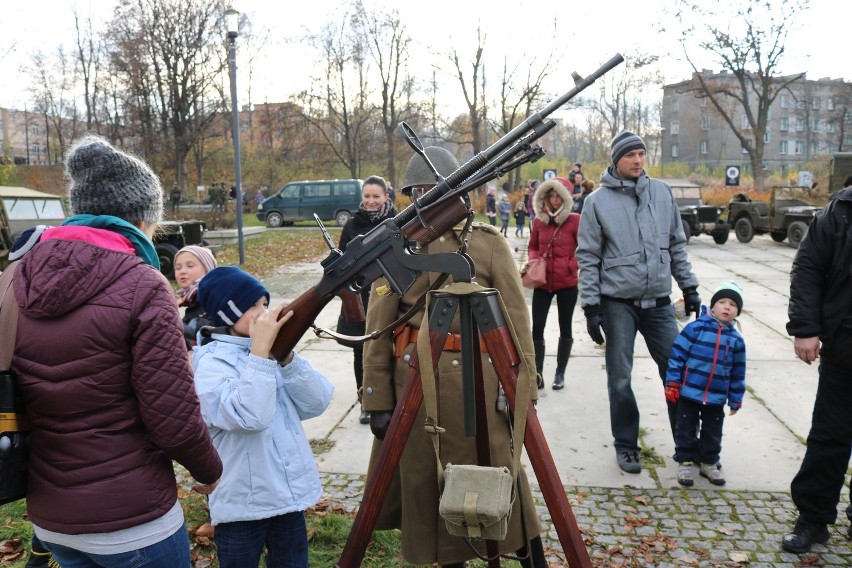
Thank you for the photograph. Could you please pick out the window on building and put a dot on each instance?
(816, 125)
(34, 129)
(785, 101)
(703, 102)
(831, 127)
(747, 145)
(800, 147)
(815, 103)
(782, 147)
(705, 147)
(800, 125)
(829, 148)
(675, 105)
(744, 123)
(674, 151)
(767, 137)
(705, 123)
(814, 148)
(829, 103)
(784, 124)
(674, 128)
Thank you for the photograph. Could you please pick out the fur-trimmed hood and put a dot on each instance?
(538, 201)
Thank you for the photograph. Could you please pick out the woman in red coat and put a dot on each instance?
(554, 221)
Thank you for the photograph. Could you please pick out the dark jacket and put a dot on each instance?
(821, 280)
(359, 224)
(194, 318)
(102, 365)
(562, 265)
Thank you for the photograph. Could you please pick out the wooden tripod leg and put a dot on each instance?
(387, 460)
(505, 358)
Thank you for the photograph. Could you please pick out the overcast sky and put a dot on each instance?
(588, 33)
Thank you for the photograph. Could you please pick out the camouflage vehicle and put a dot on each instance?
(785, 216)
(23, 208)
(697, 217)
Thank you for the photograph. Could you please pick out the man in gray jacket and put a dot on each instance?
(631, 243)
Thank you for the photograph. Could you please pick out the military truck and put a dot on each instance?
(23, 208)
(697, 217)
(785, 216)
(839, 170)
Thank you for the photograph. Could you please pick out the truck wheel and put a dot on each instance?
(274, 220)
(796, 232)
(342, 217)
(687, 230)
(720, 236)
(778, 236)
(744, 230)
(166, 253)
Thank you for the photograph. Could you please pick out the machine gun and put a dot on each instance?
(389, 248)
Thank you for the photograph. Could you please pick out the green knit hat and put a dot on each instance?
(729, 289)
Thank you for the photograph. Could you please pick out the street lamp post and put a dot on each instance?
(232, 22)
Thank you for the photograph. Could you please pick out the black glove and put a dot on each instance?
(379, 422)
(691, 302)
(595, 323)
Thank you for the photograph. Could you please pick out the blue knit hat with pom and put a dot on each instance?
(227, 292)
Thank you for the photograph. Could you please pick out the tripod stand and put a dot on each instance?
(481, 315)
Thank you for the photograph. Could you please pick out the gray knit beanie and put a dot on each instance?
(106, 181)
(625, 142)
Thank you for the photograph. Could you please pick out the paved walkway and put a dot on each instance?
(645, 519)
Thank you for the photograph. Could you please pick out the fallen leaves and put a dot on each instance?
(11, 549)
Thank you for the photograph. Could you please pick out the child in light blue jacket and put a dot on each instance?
(253, 406)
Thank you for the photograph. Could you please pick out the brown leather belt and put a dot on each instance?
(408, 335)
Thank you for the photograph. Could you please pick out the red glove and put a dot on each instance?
(672, 392)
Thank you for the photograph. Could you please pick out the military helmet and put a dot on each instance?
(418, 173)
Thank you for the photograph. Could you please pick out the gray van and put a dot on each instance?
(336, 199)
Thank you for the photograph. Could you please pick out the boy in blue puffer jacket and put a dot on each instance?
(707, 369)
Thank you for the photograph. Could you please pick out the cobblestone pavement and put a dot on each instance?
(668, 527)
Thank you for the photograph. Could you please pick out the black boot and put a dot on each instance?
(563, 353)
(539, 360)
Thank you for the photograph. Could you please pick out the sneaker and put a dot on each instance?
(804, 535)
(364, 418)
(629, 461)
(684, 474)
(713, 473)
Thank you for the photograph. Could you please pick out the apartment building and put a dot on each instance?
(808, 118)
(24, 138)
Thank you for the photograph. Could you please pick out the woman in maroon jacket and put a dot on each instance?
(554, 236)
(102, 366)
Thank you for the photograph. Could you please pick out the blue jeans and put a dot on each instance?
(240, 544)
(171, 552)
(659, 329)
(689, 446)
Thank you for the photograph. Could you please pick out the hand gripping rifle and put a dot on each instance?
(387, 249)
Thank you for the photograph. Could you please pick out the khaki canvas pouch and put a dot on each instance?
(476, 501)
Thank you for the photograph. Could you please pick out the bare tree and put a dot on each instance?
(88, 54)
(473, 90)
(749, 42)
(388, 43)
(170, 57)
(54, 80)
(337, 104)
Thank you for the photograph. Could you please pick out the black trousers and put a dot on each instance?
(689, 446)
(816, 488)
(566, 299)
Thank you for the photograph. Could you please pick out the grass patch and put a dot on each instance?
(265, 254)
